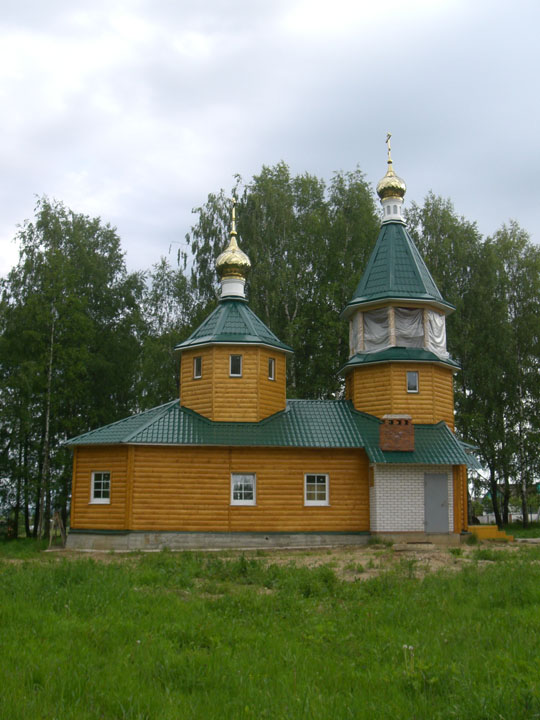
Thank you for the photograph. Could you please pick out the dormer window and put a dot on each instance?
(235, 365)
(197, 367)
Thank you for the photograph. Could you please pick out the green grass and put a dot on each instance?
(517, 530)
(188, 635)
(22, 548)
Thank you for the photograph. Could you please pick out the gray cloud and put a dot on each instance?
(136, 111)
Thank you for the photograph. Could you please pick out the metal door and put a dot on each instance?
(436, 503)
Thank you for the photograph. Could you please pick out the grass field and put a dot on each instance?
(517, 530)
(188, 635)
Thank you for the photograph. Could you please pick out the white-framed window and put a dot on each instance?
(271, 369)
(197, 367)
(101, 488)
(412, 381)
(243, 489)
(316, 489)
(235, 365)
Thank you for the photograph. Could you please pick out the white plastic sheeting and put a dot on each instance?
(370, 331)
(409, 326)
(376, 330)
(437, 334)
(355, 334)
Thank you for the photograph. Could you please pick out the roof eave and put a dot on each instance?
(350, 365)
(188, 345)
(385, 299)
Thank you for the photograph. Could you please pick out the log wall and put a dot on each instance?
(382, 389)
(189, 488)
(220, 397)
(84, 514)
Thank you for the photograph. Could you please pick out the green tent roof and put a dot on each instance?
(398, 354)
(305, 423)
(233, 322)
(396, 271)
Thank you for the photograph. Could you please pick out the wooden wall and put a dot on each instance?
(461, 519)
(188, 489)
(196, 394)
(382, 389)
(218, 396)
(84, 514)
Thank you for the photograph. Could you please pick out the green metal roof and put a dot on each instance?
(398, 354)
(305, 423)
(396, 271)
(233, 322)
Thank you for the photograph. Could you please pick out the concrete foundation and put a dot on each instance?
(449, 539)
(132, 541)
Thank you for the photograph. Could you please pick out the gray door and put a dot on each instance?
(436, 503)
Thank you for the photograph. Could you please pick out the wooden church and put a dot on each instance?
(233, 463)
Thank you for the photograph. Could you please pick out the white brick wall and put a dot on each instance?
(396, 498)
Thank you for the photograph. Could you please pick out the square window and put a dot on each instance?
(243, 489)
(235, 365)
(316, 489)
(197, 367)
(101, 488)
(271, 369)
(412, 381)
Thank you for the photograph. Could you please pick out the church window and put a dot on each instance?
(271, 369)
(316, 489)
(101, 488)
(412, 381)
(235, 365)
(197, 367)
(243, 487)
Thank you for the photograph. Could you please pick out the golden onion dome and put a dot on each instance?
(232, 262)
(391, 184)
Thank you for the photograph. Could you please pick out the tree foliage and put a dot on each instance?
(84, 343)
(307, 243)
(69, 346)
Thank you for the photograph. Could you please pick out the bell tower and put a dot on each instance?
(398, 361)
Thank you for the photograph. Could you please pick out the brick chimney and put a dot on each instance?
(396, 433)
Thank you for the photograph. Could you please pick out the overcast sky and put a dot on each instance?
(134, 110)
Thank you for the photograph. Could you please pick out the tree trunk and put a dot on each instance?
(524, 503)
(18, 493)
(45, 509)
(494, 499)
(26, 491)
(506, 499)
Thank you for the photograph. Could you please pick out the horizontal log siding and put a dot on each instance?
(371, 389)
(236, 399)
(197, 394)
(272, 393)
(443, 394)
(434, 401)
(382, 389)
(220, 397)
(111, 459)
(188, 489)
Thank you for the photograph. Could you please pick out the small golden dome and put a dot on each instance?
(391, 185)
(233, 263)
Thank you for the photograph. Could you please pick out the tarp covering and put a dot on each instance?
(376, 330)
(409, 328)
(437, 334)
